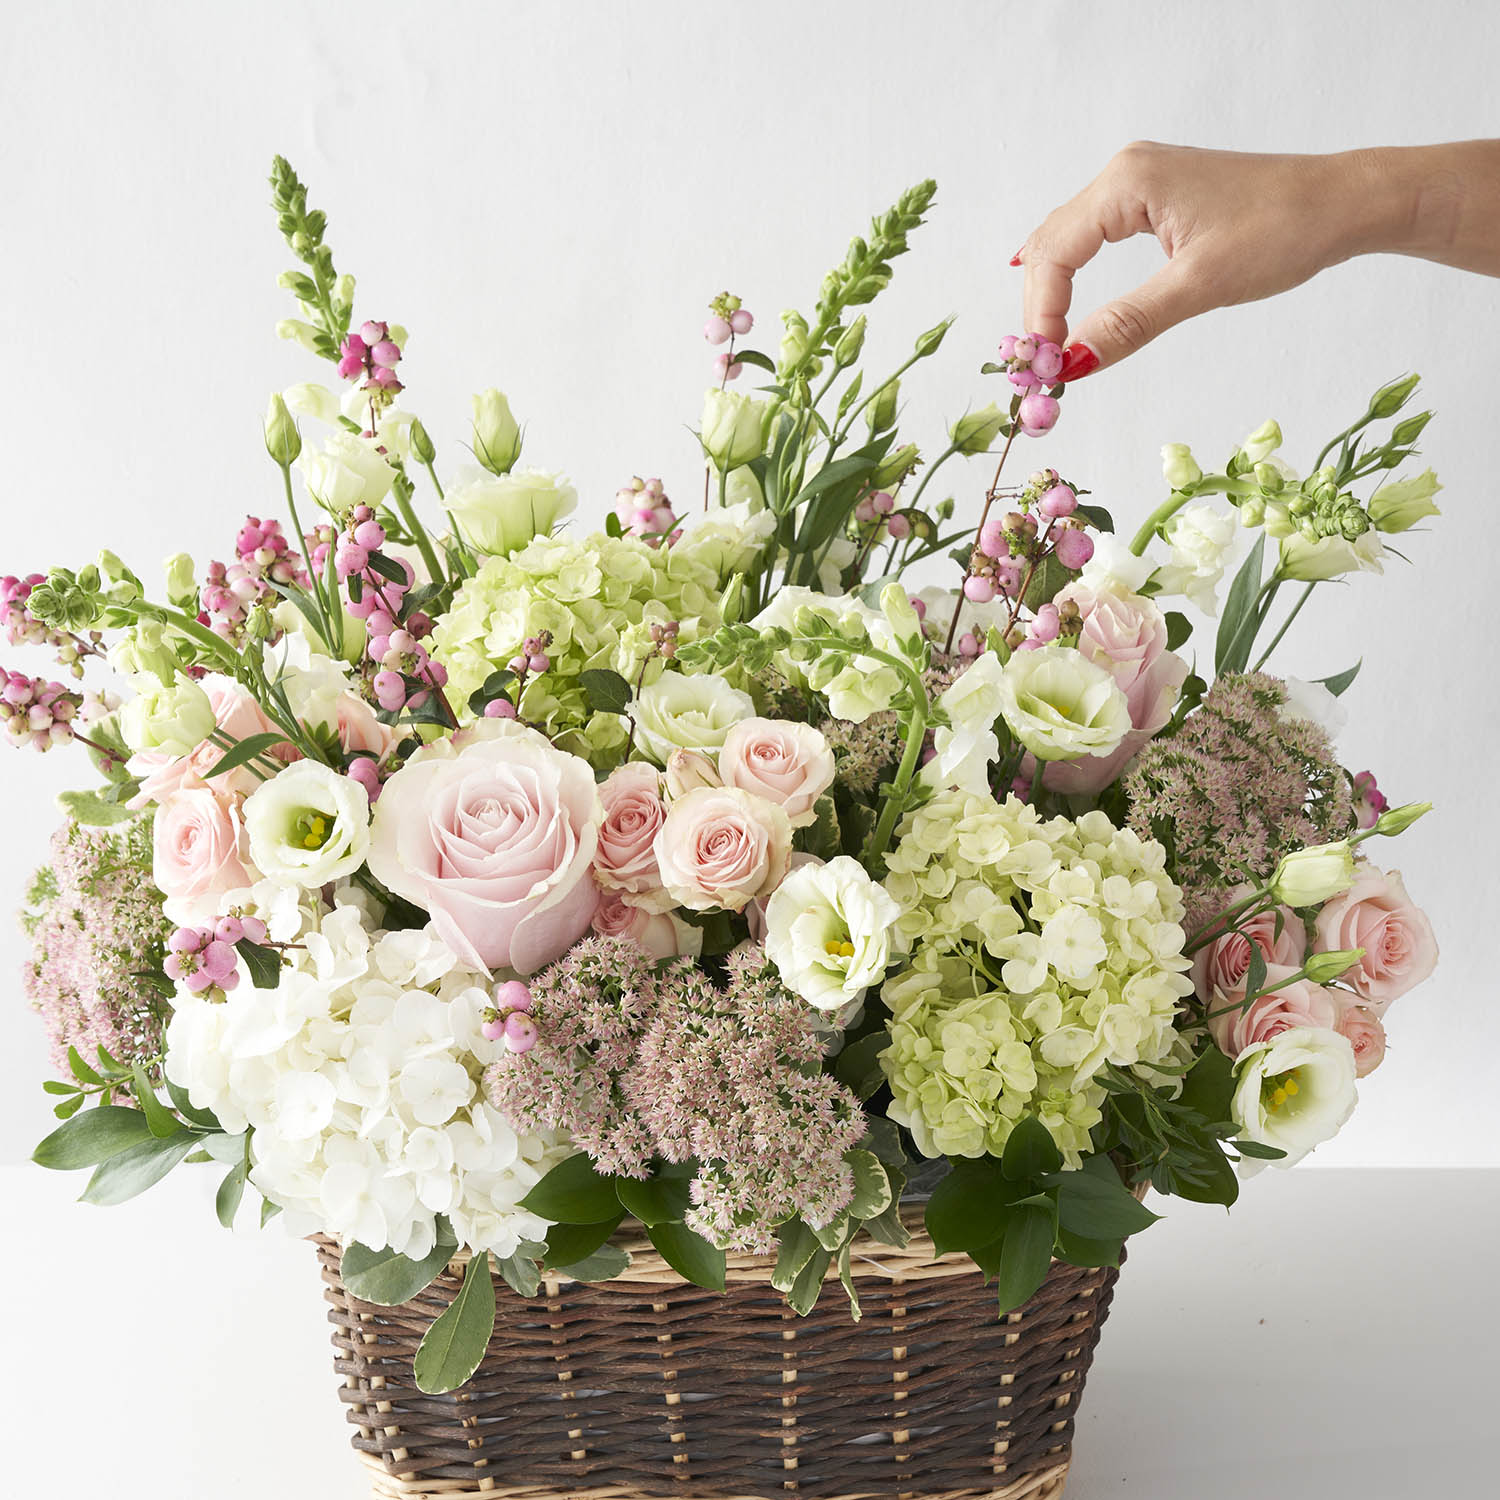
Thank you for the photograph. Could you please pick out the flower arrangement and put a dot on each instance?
(471, 883)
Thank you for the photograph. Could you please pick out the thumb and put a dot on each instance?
(1119, 328)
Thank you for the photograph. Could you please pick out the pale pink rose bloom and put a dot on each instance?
(239, 716)
(688, 769)
(1366, 1034)
(360, 729)
(786, 763)
(721, 847)
(633, 814)
(1223, 965)
(659, 933)
(1127, 635)
(198, 853)
(493, 833)
(1376, 914)
(1287, 1003)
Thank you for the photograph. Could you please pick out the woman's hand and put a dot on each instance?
(1237, 227)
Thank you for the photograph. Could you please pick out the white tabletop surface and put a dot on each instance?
(1336, 1338)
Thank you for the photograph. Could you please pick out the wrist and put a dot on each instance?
(1392, 201)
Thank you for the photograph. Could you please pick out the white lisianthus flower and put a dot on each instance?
(1311, 876)
(1295, 1091)
(1200, 539)
(729, 540)
(1400, 503)
(967, 745)
(501, 513)
(828, 931)
(1060, 705)
(733, 430)
(1313, 702)
(678, 712)
(1330, 557)
(344, 472)
(172, 720)
(308, 825)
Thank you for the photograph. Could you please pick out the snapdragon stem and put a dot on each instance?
(1296, 609)
(419, 535)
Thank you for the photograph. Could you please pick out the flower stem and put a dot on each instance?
(1302, 599)
(418, 532)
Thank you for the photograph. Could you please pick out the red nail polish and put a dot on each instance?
(1015, 259)
(1078, 360)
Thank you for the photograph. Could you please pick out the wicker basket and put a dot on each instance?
(648, 1386)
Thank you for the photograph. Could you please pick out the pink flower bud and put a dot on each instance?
(364, 770)
(919, 607)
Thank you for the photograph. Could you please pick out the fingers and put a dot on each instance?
(1128, 323)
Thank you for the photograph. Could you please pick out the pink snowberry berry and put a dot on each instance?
(229, 930)
(882, 503)
(255, 929)
(1038, 412)
(493, 1030)
(969, 644)
(520, 1032)
(1059, 501)
(1074, 548)
(992, 538)
(513, 995)
(1046, 626)
(370, 535)
(364, 770)
(978, 589)
(898, 527)
(741, 321)
(1047, 361)
(499, 708)
(717, 330)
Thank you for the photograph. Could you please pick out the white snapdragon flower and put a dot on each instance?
(1200, 539)
(1060, 705)
(828, 931)
(967, 745)
(1295, 1091)
(308, 825)
(678, 712)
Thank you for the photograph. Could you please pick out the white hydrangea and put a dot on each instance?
(1041, 950)
(360, 1077)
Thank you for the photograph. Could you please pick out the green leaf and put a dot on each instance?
(657, 1200)
(887, 1227)
(1179, 628)
(883, 1137)
(574, 1193)
(263, 963)
(1236, 633)
(1080, 1251)
(90, 809)
(57, 1086)
(856, 1066)
(567, 1244)
(69, 1107)
(244, 750)
(380, 563)
(756, 358)
(1339, 683)
(603, 1265)
(1258, 1150)
(1209, 1086)
(1094, 1202)
(689, 1254)
(607, 692)
(92, 1137)
(872, 1187)
(80, 1069)
(808, 1287)
(453, 1346)
(798, 1246)
(185, 1107)
(388, 1279)
(521, 1272)
(231, 1191)
(137, 1168)
(1030, 1151)
(833, 1235)
(969, 1207)
(268, 1211)
(846, 1276)
(159, 1118)
(1098, 517)
(1025, 1255)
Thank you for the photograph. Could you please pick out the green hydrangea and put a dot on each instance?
(1040, 950)
(596, 596)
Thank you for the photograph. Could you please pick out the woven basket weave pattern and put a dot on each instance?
(647, 1386)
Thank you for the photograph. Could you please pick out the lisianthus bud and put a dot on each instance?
(881, 412)
(733, 430)
(497, 435)
(1407, 431)
(1261, 443)
(1399, 819)
(1178, 466)
(1309, 877)
(1389, 399)
(1324, 968)
(1399, 505)
(283, 441)
(422, 447)
(976, 430)
(895, 467)
(930, 341)
(895, 605)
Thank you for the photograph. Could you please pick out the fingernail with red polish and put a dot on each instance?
(1078, 360)
(1015, 259)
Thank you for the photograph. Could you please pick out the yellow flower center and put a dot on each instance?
(836, 949)
(1277, 1091)
(312, 830)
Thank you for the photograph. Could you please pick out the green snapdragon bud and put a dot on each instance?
(852, 340)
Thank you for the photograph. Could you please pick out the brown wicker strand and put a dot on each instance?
(646, 1386)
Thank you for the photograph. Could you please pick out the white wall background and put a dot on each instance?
(547, 196)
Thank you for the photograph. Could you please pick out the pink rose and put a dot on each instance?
(1222, 966)
(239, 716)
(687, 769)
(1127, 635)
(633, 814)
(1366, 1034)
(1376, 914)
(197, 850)
(721, 847)
(1287, 1003)
(360, 729)
(786, 763)
(659, 933)
(493, 833)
